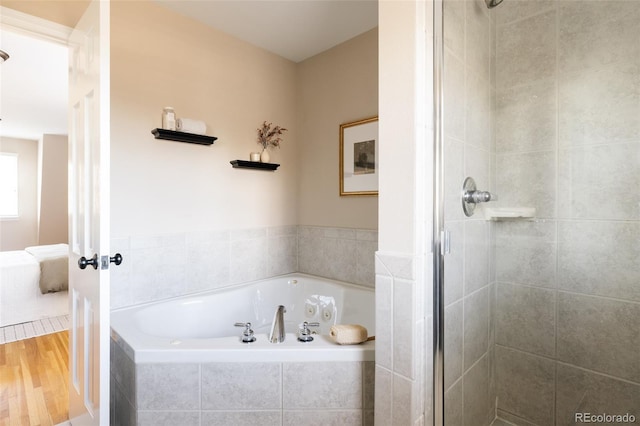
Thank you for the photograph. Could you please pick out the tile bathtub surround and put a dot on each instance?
(343, 254)
(241, 393)
(159, 267)
(235, 386)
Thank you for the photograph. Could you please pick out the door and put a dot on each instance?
(89, 217)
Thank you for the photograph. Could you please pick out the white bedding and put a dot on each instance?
(20, 296)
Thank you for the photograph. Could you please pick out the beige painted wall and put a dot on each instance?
(64, 12)
(334, 87)
(158, 59)
(164, 187)
(53, 205)
(398, 62)
(16, 234)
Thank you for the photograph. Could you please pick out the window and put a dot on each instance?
(8, 185)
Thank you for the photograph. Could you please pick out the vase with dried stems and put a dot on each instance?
(269, 136)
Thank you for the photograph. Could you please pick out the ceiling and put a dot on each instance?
(33, 87)
(33, 82)
(294, 29)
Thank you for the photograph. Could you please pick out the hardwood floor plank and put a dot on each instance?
(34, 381)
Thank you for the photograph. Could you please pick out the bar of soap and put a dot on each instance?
(348, 334)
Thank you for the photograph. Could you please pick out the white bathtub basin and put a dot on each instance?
(201, 328)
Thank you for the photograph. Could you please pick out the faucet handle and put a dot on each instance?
(247, 334)
(304, 334)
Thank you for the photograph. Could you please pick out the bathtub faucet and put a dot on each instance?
(277, 327)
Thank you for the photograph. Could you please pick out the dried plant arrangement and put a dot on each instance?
(269, 136)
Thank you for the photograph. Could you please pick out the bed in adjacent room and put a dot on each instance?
(33, 283)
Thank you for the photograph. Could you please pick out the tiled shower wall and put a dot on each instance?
(164, 266)
(469, 136)
(568, 143)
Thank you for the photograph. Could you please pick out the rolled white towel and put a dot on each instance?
(189, 125)
(348, 334)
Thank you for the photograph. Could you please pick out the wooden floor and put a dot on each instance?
(34, 381)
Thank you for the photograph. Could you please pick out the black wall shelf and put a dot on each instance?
(242, 164)
(171, 135)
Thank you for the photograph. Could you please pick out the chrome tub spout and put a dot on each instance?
(277, 333)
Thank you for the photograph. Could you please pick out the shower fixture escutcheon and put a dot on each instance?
(471, 196)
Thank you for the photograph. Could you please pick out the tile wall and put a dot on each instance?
(270, 393)
(400, 365)
(344, 254)
(568, 143)
(164, 266)
(469, 145)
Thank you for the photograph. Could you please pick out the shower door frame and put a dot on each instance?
(439, 248)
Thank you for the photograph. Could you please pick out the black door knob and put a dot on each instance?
(117, 259)
(83, 262)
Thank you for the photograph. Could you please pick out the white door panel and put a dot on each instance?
(89, 217)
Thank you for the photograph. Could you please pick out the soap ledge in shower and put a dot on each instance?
(499, 213)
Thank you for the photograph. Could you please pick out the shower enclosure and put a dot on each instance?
(541, 311)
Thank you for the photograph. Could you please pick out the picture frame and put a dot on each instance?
(359, 157)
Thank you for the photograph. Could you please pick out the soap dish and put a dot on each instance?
(501, 213)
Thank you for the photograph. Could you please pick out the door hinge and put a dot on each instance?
(445, 242)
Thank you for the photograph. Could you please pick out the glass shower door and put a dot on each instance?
(542, 108)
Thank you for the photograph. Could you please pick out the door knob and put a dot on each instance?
(83, 262)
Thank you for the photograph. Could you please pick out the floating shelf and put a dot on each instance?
(242, 164)
(502, 213)
(172, 135)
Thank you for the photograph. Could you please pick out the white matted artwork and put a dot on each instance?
(359, 157)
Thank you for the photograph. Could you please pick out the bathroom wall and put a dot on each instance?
(180, 210)
(568, 143)
(336, 86)
(469, 143)
(22, 232)
(165, 186)
(63, 12)
(403, 275)
(344, 254)
(216, 225)
(52, 190)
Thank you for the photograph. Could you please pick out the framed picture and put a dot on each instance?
(359, 156)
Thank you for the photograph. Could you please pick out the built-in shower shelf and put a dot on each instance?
(172, 135)
(242, 164)
(509, 213)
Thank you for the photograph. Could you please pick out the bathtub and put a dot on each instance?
(200, 328)
(181, 361)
